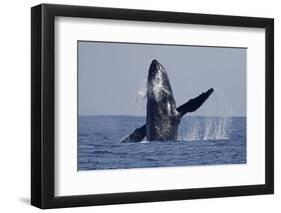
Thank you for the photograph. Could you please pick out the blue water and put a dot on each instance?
(201, 141)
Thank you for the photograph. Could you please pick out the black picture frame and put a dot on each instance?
(43, 102)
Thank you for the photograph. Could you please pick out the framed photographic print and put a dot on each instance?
(139, 106)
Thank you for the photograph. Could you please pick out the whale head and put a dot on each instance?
(158, 84)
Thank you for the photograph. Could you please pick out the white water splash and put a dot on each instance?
(210, 127)
(141, 96)
(216, 128)
(193, 133)
(141, 93)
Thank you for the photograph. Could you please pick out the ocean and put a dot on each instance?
(201, 141)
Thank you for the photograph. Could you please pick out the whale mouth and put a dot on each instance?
(154, 67)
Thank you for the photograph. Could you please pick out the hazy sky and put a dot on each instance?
(111, 74)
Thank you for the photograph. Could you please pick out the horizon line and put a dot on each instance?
(103, 115)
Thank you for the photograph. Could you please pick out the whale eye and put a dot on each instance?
(158, 79)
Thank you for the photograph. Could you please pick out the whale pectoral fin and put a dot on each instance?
(195, 103)
(136, 136)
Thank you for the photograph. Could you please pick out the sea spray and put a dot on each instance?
(141, 96)
(214, 125)
(219, 125)
(194, 131)
(216, 128)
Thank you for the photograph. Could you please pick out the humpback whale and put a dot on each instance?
(162, 115)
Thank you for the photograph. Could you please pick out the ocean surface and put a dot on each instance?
(201, 141)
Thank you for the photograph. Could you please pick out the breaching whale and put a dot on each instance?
(162, 115)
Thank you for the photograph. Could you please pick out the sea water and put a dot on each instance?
(201, 141)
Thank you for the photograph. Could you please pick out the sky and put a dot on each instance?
(111, 77)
